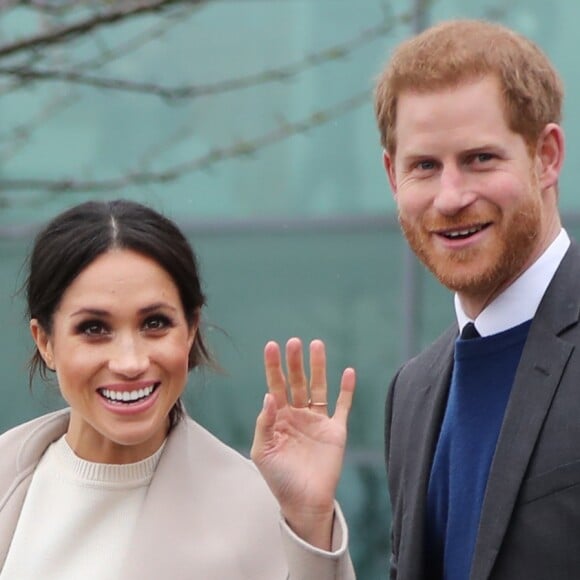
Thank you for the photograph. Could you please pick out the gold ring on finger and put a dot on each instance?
(320, 404)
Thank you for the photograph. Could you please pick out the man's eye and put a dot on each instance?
(483, 157)
(426, 165)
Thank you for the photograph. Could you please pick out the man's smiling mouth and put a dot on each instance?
(461, 234)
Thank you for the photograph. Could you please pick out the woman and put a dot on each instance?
(122, 484)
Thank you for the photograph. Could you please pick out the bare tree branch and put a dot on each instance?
(119, 12)
(59, 8)
(140, 174)
(155, 32)
(18, 137)
(238, 149)
(276, 74)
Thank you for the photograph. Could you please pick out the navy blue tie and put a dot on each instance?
(469, 331)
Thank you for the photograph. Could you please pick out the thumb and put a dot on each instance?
(264, 432)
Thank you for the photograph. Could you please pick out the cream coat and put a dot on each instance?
(208, 514)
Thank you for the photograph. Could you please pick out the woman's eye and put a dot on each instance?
(156, 323)
(93, 328)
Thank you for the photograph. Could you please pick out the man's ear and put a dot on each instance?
(43, 343)
(550, 155)
(389, 164)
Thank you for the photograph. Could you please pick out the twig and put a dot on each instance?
(238, 149)
(61, 34)
(277, 74)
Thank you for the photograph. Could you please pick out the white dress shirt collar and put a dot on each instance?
(519, 301)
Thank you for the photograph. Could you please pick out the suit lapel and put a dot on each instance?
(536, 381)
(425, 424)
(538, 376)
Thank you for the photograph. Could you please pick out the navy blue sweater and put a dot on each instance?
(483, 374)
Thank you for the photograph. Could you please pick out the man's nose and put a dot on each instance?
(129, 357)
(454, 193)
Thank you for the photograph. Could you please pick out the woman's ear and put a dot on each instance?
(194, 326)
(43, 343)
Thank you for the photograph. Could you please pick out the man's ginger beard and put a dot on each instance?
(478, 270)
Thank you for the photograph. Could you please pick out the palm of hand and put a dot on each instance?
(297, 447)
(303, 458)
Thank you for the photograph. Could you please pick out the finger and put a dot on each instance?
(344, 401)
(318, 386)
(296, 376)
(274, 374)
(264, 433)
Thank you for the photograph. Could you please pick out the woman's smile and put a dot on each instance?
(120, 344)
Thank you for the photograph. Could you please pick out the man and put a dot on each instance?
(483, 434)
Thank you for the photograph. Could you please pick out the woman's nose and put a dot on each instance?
(129, 357)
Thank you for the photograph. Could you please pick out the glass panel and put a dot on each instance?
(279, 184)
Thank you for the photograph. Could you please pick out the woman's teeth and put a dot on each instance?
(127, 396)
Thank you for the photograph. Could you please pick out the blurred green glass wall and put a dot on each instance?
(279, 186)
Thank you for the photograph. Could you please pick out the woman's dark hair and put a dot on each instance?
(76, 237)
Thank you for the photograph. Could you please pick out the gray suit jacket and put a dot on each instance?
(530, 519)
(208, 513)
